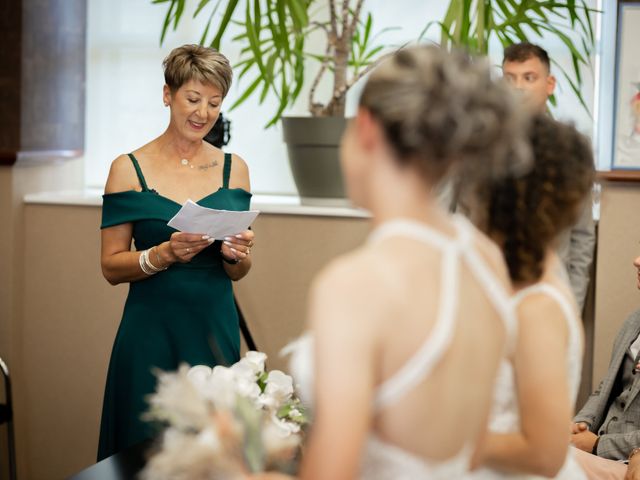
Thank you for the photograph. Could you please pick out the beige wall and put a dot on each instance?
(289, 251)
(15, 183)
(67, 314)
(71, 315)
(616, 288)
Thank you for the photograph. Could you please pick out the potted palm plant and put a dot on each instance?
(274, 37)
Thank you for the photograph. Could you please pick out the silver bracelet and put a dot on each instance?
(143, 265)
(151, 265)
(146, 265)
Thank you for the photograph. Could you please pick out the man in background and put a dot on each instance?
(528, 69)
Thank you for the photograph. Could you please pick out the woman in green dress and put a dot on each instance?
(180, 305)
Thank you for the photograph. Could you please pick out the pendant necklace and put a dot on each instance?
(184, 162)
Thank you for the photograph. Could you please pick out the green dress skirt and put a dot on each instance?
(185, 314)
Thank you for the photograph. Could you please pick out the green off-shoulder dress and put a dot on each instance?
(183, 314)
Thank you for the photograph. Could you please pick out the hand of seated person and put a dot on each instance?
(584, 440)
(579, 427)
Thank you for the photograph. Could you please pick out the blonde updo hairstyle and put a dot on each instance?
(195, 62)
(441, 109)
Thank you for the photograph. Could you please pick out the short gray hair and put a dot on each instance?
(195, 62)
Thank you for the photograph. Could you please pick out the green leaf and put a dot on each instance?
(372, 53)
(167, 20)
(575, 87)
(226, 17)
(201, 5)
(203, 38)
(298, 14)
(283, 103)
(367, 29)
(257, 13)
(178, 14)
(270, 66)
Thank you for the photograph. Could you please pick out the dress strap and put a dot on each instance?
(430, 352)
(136, 165)
(226, 172)
(575, 345)
(487, 280)
(454, 251)
(411, 229)
(551, 291)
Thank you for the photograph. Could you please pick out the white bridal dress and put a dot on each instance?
(505, 416)
(381, 459)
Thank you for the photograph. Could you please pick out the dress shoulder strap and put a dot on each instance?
(551, 291)
(136, 165)
(575, 345)
(431, 351)
(226, 172)
(495, 291)
(439, 339)
(423, 360)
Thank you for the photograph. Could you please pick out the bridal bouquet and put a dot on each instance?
(224, 423)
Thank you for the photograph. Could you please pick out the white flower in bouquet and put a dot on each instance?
(255, 360)
(278, 389)
(239, 419)
(178, 402)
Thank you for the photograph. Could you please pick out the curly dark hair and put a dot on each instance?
(526, 213)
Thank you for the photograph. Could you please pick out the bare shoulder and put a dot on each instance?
(239, 173)
(239, 163)
(122, 176)
(539, 310)
(354, 285)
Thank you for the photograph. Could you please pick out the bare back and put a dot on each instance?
(393, 310)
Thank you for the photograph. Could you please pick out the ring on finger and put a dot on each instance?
(188, 250)
(248, 251)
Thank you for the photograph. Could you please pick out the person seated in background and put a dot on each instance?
(540, 376)
(528, 69)
(608, 425)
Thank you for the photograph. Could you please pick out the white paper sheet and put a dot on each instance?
(193, 218)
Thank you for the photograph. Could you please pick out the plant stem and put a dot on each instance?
(339, 95)
(333, 17)
(356, 17)
(316, 108)
(341, 52)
